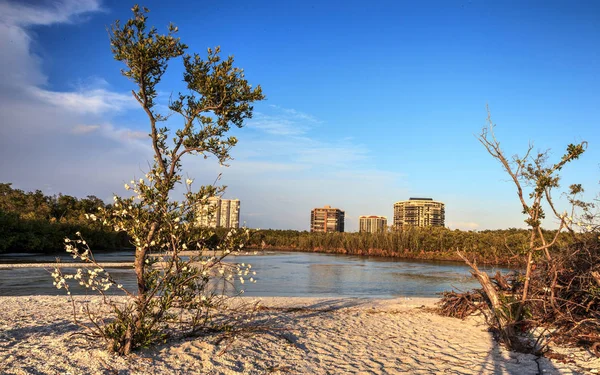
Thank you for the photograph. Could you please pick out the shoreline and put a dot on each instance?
(102, 264)
(253, 251)
(434, 256)
(302, 335)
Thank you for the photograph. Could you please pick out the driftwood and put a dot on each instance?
(501, 281)
(564, 299)
(504, 322)
(596, 276)
(484, 280)
(460, 305)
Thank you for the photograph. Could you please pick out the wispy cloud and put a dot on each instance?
(298, 115)
(277, 125)
(66, 11)
(283, 121)
(283, 170)
(120, 135)
(84, 129)
(94, 101)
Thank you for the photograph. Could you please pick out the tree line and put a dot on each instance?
(433, 243)
(35, 222)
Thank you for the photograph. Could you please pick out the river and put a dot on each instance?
(281, 273)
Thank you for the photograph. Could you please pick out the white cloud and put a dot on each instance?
(66, 141)
(18, 66)
(92, 101)
(20, 69)
(60, 141)
(66, 11)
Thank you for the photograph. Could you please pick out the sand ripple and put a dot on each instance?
(306, 336)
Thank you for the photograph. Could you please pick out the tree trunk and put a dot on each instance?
(505, 327)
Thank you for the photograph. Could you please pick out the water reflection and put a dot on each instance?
(283, 274)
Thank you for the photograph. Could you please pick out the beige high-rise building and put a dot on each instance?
(327, 219)
(419, 212)
(218, 212)
(234, 213)
(372, 224)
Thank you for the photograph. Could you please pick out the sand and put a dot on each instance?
(305, 336)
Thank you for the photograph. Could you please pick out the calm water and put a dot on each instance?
(283, 274)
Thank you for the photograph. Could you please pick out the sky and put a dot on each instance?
(367, 103)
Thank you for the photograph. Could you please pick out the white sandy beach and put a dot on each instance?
(316, 336)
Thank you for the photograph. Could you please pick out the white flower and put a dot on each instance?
(189, 181)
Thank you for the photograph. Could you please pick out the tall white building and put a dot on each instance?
(372, 224)
(219, 213)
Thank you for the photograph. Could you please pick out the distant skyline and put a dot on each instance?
(367, 104)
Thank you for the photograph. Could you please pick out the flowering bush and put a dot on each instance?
(172, 286)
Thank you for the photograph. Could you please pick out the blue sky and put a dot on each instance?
(367, 103)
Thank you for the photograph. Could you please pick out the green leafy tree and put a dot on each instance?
(218, 96)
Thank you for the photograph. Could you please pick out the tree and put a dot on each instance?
(534, 179)
(218, 96)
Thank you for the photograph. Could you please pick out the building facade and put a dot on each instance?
(219, 213)
(327, 219)
(419, 212)
(372, 224)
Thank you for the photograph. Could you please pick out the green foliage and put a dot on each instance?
(34, 222)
